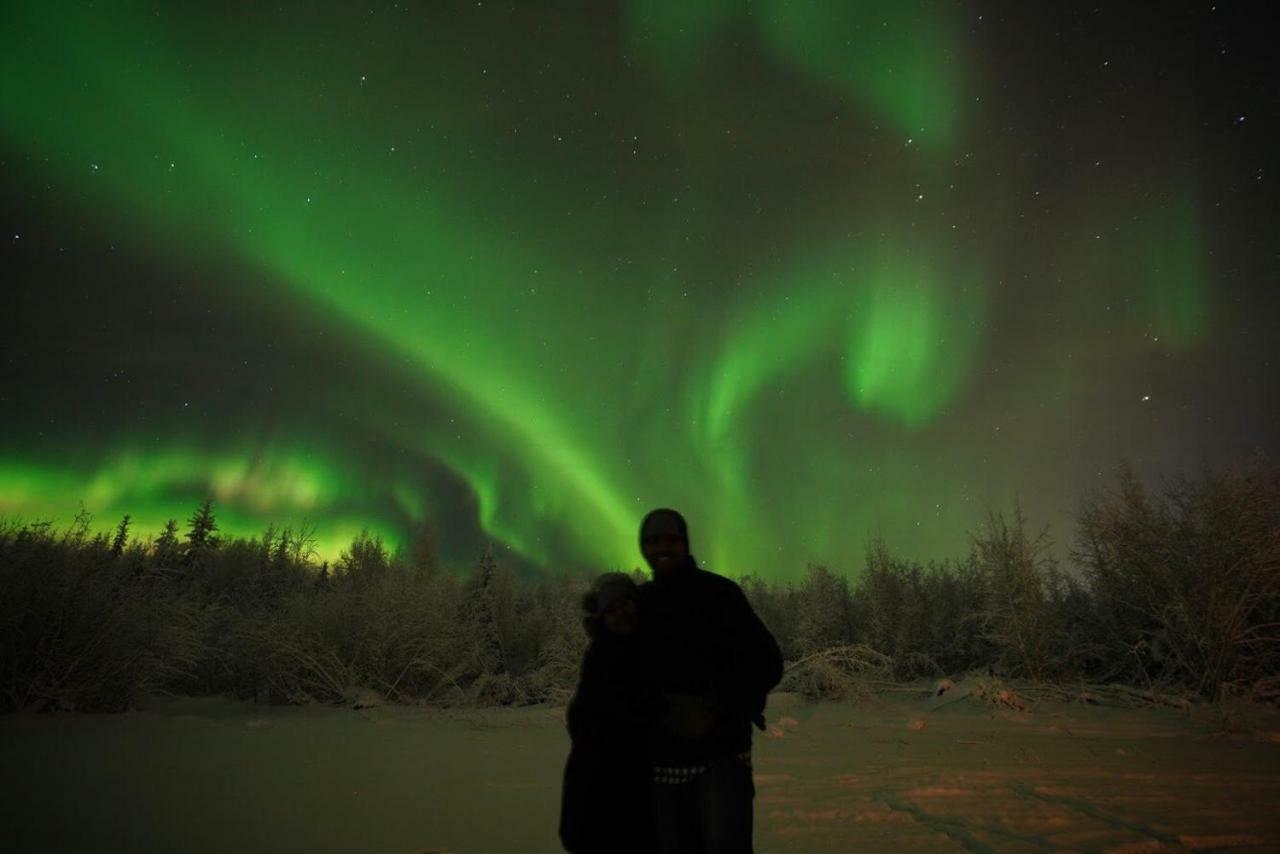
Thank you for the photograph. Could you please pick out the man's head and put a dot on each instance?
(664, 540)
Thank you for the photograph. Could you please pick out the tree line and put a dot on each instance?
(1175, 589)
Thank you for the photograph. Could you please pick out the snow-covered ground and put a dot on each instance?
(901, 773)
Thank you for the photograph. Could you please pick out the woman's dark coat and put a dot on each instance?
(606, 799)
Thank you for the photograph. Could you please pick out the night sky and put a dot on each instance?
(521, 272)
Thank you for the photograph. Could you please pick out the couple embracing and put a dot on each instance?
(676, 674)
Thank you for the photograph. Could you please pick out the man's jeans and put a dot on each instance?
(710, 814)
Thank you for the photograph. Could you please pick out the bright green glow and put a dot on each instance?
(766, 344)
(896, 60)
(284, 490)
(893, 347)
(590, 320)
(911, 342)
(909, 334)
(774, 338)
(24, 486)
(289, 482)
(400, 264)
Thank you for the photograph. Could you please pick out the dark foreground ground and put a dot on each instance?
(896, 774)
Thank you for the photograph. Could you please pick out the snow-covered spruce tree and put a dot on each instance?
(490, 680)
(1015, 566)
(825, 616)
(774, 603)
(882, 597)
(82, 631)
(954, 596)
(563, 641)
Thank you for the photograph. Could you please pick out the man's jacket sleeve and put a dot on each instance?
(753, 662)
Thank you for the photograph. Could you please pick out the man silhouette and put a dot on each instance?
(714, 663)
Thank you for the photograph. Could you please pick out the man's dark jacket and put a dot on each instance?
(704, 639)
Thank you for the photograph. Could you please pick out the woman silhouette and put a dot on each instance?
(605, 802)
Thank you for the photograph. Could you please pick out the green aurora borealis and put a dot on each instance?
(805, 271)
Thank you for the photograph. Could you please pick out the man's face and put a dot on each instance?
(664, 551)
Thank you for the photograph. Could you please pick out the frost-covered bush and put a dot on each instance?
(84, 629)
(1177, 590)
(1187, 580)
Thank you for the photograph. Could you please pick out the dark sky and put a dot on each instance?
(807, 272)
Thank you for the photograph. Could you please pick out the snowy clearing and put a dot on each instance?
(896, 773)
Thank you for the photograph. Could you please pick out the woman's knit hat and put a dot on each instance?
(609, 589)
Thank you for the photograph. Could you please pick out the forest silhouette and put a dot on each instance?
(1167, 595)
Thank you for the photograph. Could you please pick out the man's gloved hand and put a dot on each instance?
(689, 716)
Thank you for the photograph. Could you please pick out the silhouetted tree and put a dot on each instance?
(302, 542)
(122, 536)
(283, 548)
(79, 530)
(200, 534)
(266, 545)
(165, 548)
(365, 563)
